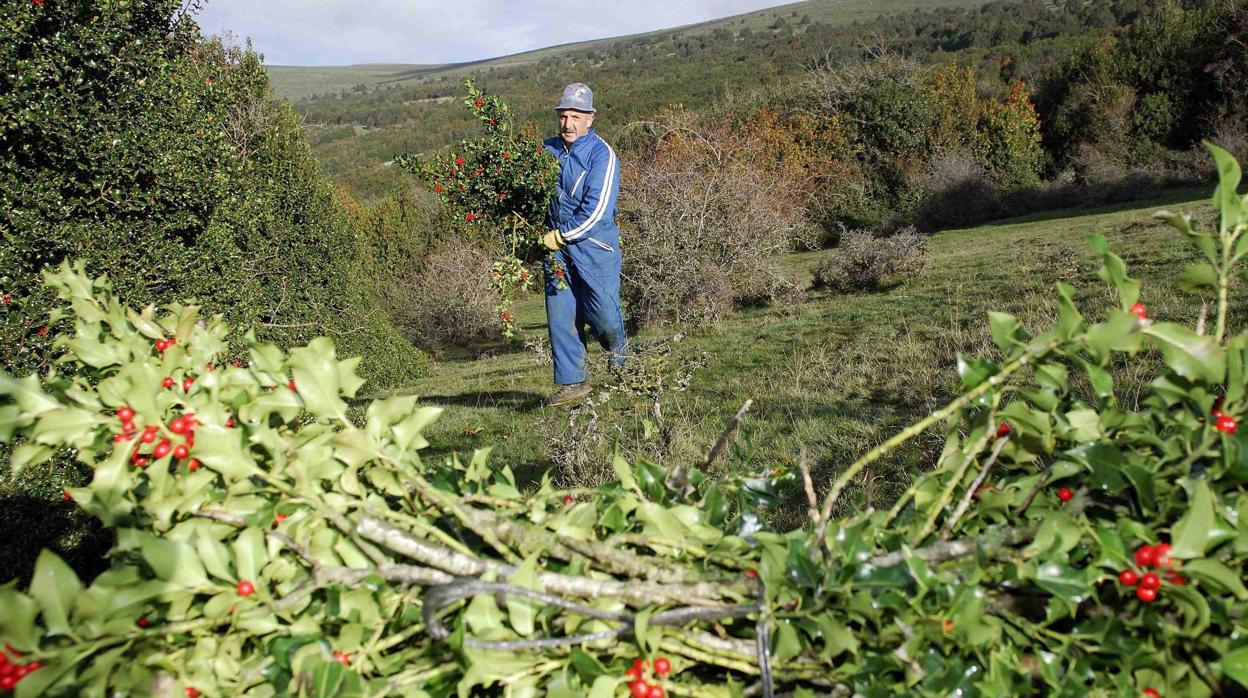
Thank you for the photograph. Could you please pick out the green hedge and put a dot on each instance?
(163, 160)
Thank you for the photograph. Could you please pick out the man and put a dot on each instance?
(586, 244)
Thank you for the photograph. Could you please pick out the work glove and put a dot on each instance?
(553, 241)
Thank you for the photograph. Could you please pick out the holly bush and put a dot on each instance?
(1069, 541)
(496, 188)
(162, 160)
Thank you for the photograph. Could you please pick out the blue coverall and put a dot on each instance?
(584, 214)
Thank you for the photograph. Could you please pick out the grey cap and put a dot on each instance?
(577, 96)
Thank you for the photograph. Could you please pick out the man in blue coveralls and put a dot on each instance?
(586, 246)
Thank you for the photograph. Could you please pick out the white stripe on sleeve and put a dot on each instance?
(601, 208)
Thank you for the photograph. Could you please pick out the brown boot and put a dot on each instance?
(569, 393)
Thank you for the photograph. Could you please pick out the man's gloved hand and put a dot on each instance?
(553, 241)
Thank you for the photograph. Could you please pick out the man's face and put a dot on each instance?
(573, 124)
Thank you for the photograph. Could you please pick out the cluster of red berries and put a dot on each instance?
(1223, 422)
(1148, 585)
(1139, 310)
(163, 344)
(10, 671)
(183, 426)
(637, 685)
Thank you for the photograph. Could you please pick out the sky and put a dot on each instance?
(344, 32)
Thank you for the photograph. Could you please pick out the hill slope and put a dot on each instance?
(297, 83)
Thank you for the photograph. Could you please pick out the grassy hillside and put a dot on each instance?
(297, 83)
(832, 374)
(636, 77)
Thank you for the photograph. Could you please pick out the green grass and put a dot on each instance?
(833, 375)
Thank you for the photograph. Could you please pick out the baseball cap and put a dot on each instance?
(577, 96)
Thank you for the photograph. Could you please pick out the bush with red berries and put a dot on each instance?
(1091, 546)
(495, 189)
(160, 158)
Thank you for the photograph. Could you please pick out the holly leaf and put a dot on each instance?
(55, 586)
(1193, 532)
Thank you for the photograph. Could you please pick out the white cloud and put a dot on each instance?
(340, 32)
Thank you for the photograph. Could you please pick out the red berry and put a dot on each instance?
(229, 422)
(125, 414)
(181, 451)
(662, 666)
(632, 675)
(148, 437)
(8, 681)
(291, 385)
(656, 692)
(161, 345)
(1144, 594)
(1128, 577)
(470, 217)
(1146, 556)
(1065, 494)
(167, 382)
(1150, 580)
(342, 658)
(142, 622)
(751, 573)
(246, 588)
(639, 689)
(65, 496)
(1151, 693)
(6, 299)
(948, 626)
(1226, 424)
(492, 122)
(42, 331)
(1178, 580)
(187, 383)
(437, 189)
(277, 519)
(479, 104)
(193, 465)
(459, 162)
(506, 155)
(128, 428)
(140, 461)
(1004, 430)
(1162, 554)
(120, 438)
(191, 692)
(178, 426)
(1139, 311)
(568, 499)
(162, 449)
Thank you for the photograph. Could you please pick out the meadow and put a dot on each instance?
(832, 375)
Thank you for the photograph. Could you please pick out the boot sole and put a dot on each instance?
(571, 398)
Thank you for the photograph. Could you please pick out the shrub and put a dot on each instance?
(161, 160)
(450, 300)
(703, 222)
(899, 125)
(865, 262)
(958, 193)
